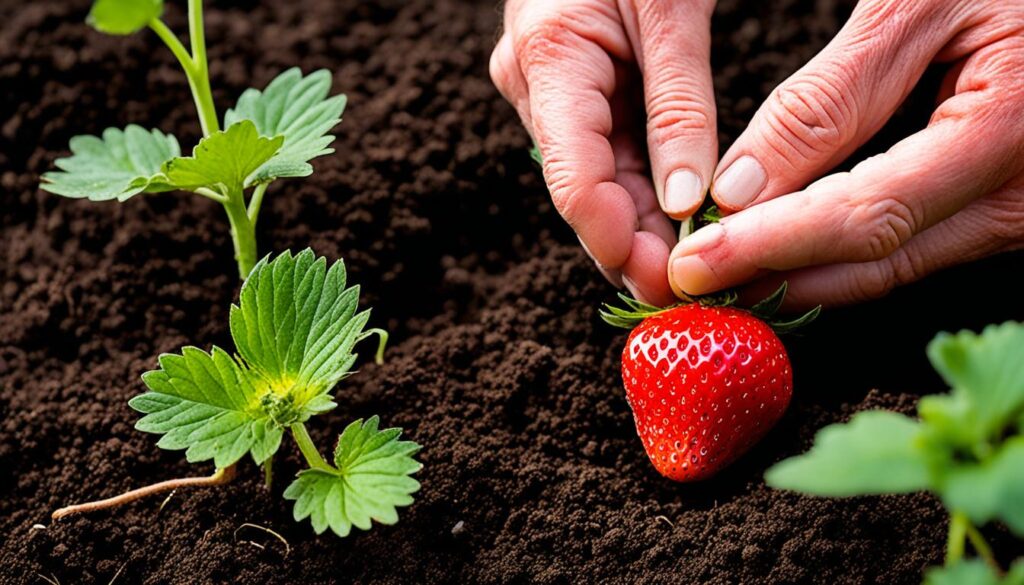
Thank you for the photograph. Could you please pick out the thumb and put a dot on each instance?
(672, 43)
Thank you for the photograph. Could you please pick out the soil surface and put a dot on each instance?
(499, 366)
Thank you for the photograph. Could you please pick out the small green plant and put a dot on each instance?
(966, 447)
(268, 135)
(295, 327)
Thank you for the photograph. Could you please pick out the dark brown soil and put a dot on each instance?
(532, 470)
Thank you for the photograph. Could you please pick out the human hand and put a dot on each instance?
(570, 69)
(952, 193)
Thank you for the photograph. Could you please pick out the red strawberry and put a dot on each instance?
(705, 382)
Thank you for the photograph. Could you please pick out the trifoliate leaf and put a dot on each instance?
(371, 480)
(209, 405)
(297, 108)
(986, 372)
(296, 324)
(123, 17)
(990, 490)
(224, 160)
(875, 453)
(116, 166)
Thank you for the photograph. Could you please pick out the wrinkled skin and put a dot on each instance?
(580, 73)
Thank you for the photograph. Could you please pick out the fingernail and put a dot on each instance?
(632, 288)
(613, 276)
(740, 183)
(693, 276)
(683, 192)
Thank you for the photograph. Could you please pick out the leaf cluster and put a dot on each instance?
(270, 134)
(965, 446)
(295, 327)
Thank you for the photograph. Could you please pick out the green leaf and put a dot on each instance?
(224, 160)
(209, 405)
(875, 453)
(371, 480)
(970, 572)
(990, 490)
(297, 108)
(296, 324)
(116, 166)
(123, 17)
(986, 372)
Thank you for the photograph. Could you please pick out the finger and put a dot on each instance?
(672, 41)
(508, 78)
(644, 270)
(570, 80)
(831, 106)
(988, 226)
(631, 166)
(870, 212)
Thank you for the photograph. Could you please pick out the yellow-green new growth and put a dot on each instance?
(295, 328)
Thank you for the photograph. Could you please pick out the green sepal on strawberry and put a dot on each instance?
(705, 380)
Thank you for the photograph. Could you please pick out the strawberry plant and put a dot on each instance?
(295, 327)
(966, 447)
(270, 134)
(705, 380)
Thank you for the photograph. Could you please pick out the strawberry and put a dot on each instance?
(705, 382)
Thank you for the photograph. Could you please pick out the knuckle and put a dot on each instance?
(545, 40)
(905, 266)
(565, 194)
(500, 73)
(878, 229)
(879, 281)
(811, 117)
(676, 113)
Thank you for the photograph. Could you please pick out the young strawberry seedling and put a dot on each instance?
(295, 327)
(705, 380)
(966, 447)
(268, 135)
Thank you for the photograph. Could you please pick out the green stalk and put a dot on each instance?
(955, 543)
(982, 548)
(199, 77)
(309, 450)
(243, 232)
(256, 201)
(268, 472)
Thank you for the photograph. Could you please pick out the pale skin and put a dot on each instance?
(581, 74)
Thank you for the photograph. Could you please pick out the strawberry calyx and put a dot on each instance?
(636, 311)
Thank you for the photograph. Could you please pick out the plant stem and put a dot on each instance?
(268, 472)
(309, 450)
(220, 477)
(982, 548)
(243, 232)
(383, 342)
(955, 543)
(171, 40)
(256, 201)
(199, 76)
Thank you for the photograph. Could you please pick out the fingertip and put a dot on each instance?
(644, 272)
(689, 272)
(606, 220)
